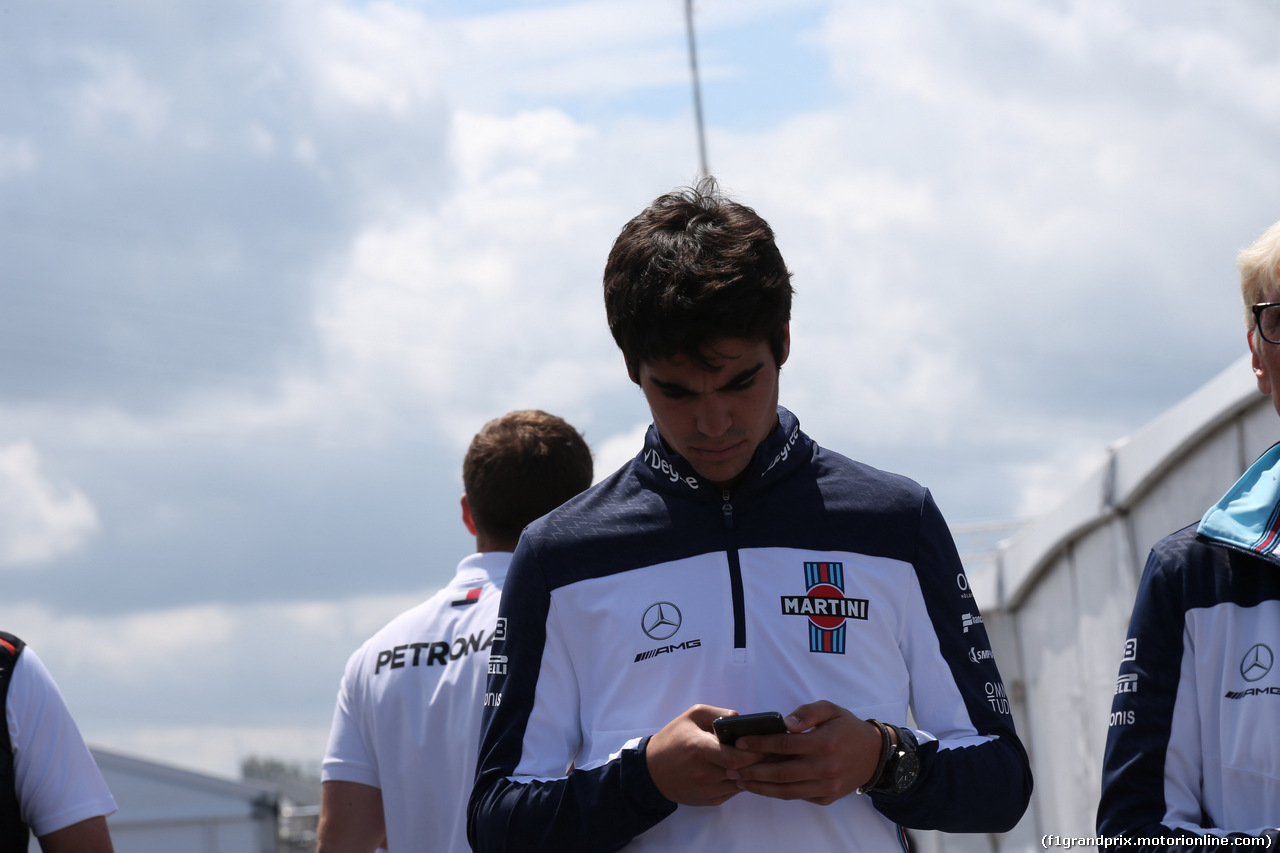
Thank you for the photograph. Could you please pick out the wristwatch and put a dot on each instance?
(903, 766)
(898, 767)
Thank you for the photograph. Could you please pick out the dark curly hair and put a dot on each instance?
(691, 268)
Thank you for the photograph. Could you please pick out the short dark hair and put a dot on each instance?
(692, 267)
(521, 466)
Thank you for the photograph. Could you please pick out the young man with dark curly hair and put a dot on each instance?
(735, 566)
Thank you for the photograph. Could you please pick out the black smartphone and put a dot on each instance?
(729, 729)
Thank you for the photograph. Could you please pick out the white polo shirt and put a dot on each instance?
(408, 714)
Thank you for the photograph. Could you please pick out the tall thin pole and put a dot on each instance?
(703, 171)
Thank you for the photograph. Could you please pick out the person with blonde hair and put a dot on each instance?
(1193, 748)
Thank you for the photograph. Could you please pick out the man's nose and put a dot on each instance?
(713, 416)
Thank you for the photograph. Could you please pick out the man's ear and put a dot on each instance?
(786, 344)
(466, 516)
(1259, 366)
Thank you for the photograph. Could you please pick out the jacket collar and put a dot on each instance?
(484, 566)
(1248, 516)
(785, 450)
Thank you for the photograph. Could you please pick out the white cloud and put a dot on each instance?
(17, 156)
(378, 57)
(39, 519)
(488, 301)
(143, 643)
(1047, 482)
(261, 140)
(119, 93)
(617, 450)
(527, 142)
(601, 48)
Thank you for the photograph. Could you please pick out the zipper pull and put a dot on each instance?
(727, 509)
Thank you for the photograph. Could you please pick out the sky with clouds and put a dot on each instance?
(265, 267)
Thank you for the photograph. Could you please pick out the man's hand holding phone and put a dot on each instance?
(830, 752)
(690, 764)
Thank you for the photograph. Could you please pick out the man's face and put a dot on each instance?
(716, 418)
(1266, 357)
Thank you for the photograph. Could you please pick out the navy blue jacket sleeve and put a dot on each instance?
(974, 772)
(526, 798)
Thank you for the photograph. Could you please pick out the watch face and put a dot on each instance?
(908, 767)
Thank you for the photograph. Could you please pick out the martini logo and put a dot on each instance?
(826, 607)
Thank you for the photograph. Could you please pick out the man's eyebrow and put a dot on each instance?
(740, 378)
(669, 387)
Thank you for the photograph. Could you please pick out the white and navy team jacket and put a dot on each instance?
(1194, 743)
(817, 578)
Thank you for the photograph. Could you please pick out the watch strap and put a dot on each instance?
(886, 750)
(901, 769)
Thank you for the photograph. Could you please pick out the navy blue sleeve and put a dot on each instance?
(976, 777)
(524, 802)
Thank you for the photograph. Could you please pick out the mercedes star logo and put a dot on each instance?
(661, 620)
(1257, 662)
